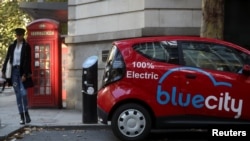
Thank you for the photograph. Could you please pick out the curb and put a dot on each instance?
(64, 127)
(2, 138)
(71, 127)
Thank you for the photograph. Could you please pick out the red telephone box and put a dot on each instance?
(43, 36)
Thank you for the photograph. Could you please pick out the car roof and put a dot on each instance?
(132, 41)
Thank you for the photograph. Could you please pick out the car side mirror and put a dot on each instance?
(246, 70)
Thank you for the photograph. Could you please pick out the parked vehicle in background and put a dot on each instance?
(173, 81)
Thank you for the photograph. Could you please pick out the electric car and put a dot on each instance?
(173, 81)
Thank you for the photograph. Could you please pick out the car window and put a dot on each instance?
(213, 56)
(163, 51)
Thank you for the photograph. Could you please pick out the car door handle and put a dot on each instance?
(190, 76)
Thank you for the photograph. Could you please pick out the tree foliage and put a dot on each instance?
(11, 17)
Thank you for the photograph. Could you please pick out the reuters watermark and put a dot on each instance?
(228, 133)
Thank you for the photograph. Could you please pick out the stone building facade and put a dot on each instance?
(94, 24)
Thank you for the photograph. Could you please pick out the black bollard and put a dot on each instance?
(89, 89)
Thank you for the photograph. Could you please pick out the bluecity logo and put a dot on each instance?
(223, 102)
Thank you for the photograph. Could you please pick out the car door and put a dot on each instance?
(159, 57)
(211, 82)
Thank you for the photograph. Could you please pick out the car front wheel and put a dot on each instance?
(131, 122)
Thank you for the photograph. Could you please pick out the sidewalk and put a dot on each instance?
(9, 117)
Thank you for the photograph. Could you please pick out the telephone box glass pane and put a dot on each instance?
(47, 65)
(47, 82)
(36, 48)
(47, 48)
(48, 92)
(42, 55)
(42, 69)
(47, 74)
(47, 56)
(41, 90)
(41, 48)
(42, 64)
